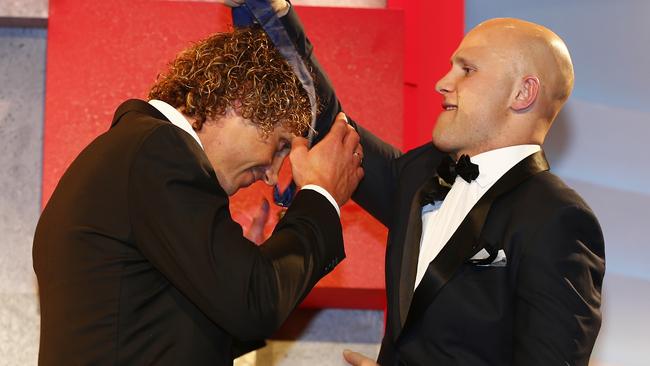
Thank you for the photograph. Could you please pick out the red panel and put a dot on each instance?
(433, 30)
(101, 53)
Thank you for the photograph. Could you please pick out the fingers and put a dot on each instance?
(262, 215)
(299, 161)
(255, 232)
(351, 137)
(281, 7)
(334, 163)
(357, 359)
(299, 145)
(339, 129)
(358, 152)
(360, 173)
(342, 116)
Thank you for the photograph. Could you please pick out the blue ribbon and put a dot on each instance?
(260, 12)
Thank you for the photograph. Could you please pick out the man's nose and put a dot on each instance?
(272, 171)
(445, 84)
(270, 177)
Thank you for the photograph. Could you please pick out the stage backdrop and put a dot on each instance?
(102, 53)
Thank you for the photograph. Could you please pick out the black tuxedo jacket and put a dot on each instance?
(139, 261)
(541, 308)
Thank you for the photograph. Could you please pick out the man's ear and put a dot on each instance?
(526, 94)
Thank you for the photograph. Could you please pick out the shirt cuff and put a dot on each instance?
(325, 193)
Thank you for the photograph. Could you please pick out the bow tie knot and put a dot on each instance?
(439, 185)
(449, 169)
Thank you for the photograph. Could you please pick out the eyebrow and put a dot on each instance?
(459, 59)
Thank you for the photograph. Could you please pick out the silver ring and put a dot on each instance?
(358, 155)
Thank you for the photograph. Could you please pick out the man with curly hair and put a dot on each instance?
(138, 259)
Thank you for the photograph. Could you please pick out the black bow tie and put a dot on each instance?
(448, 169)
(439, 185)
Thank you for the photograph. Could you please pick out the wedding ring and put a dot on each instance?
(358, 155)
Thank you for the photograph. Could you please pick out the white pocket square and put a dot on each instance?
(499, 261)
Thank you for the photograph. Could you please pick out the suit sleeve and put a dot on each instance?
(381, 165)
(559, 291)
(182, 224)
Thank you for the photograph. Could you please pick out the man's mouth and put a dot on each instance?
(449, 107)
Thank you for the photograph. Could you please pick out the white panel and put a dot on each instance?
(23, 8)
(608, 41)
(625, 334)
(601, 144)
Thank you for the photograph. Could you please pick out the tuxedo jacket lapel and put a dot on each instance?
(411, 250)
(465, 241)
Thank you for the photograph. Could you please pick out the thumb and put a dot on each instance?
(262, 215)
(299, 146)
(255, 232)
(356, 359)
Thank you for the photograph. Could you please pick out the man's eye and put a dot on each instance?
(467, 70)
(284, 148)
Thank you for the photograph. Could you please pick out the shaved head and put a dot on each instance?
(508, 80)
(534, 50)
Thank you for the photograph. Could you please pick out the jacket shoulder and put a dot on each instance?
(548, 188)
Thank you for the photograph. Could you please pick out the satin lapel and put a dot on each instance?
(466, 239)
(411, 252)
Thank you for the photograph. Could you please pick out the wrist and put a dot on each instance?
(326, 193)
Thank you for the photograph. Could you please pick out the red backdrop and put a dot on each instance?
(380, 61)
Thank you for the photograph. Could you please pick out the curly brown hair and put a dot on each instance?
(242, 70)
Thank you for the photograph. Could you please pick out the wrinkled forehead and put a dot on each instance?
(281, 132)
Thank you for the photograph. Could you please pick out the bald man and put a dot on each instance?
(491, 259)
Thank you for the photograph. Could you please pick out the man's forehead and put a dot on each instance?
(469, 53)
(463, 57)
(483, 47)
(281, 132)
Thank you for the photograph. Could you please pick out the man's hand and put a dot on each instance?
(357, 359)
(281, 7)
(334, 163)
(255, 232)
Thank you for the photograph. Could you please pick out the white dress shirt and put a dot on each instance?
(179, 120)
(440, 221)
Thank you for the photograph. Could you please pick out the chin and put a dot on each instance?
(437, 141)
(441, 145)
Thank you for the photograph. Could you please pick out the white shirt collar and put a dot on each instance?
(494, 164)
(175, 117)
